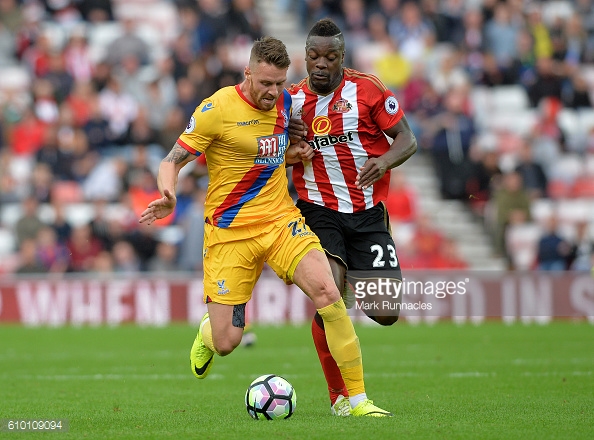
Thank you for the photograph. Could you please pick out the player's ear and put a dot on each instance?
(247, 72)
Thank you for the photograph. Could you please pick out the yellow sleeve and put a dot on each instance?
(205, 126)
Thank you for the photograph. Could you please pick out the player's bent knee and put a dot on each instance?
(223, 348)
(225, 345)
(324, 294)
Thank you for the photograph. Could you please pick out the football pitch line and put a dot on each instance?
(217, 376)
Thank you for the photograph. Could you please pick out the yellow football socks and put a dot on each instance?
(344, 345)
(207, 336)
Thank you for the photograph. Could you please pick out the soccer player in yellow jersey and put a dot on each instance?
(250, 218)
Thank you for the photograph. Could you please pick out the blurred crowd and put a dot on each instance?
(93, 93)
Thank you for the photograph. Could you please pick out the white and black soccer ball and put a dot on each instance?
(270, 397)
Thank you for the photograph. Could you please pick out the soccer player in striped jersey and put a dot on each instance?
(250, 217)
(344, 116)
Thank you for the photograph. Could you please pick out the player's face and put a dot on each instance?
(265, 83)
(323, 60)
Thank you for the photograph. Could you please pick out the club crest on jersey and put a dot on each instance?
(271, 149)
(341, 106)
(321, 125)
(222, 289)
(391, 105)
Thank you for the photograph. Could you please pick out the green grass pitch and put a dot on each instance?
(443, 381)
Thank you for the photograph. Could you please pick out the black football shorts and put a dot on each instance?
(361, 241)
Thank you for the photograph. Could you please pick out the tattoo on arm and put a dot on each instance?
(177, 155)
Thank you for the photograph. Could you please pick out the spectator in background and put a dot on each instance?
(224, 72)
(451, 74)
(425, 245)
(118, 108)
(185, 197)
(58, 159)
(181, 49)
(60, 224)
(40, 182)
(174, 123)
(538, 31)
(548, 82)
(413, 34)
(577, 94)
(202, 80)
(83, 247)
(27, 135)
(79, 102)
(211, 26)
(96, 11)
(11, 15)
(547, 138)
(63, 11)
(533, 176)
(161, 93)
(402, 199)
(453, 136)
(133, 77)
(29, 223)
(140, 131)
(58, 76)
(44, 101)
(473, 39)
(7, 57)
(190, 252)
(102, 73)
(523, 68)
(445, 18)
(165, 259)
(52, 255)
(581, 257)
(96, 127)
(36, 55)
(354, 24)
(449, 256)
(143, 241)
(501, 35)
(311, 11)
(512, 206)
(187, 98)
(125, 258)
(553, 251)
(484, 180)
(27, 258)
(245, 21)
(129, 43)
(103, 264)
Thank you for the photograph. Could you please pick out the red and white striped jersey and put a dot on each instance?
(346, 128)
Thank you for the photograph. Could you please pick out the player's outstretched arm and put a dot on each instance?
(403, 146)
(169, 169)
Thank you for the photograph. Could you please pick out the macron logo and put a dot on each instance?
(207, 106)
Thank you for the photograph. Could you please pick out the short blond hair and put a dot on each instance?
(270, 50)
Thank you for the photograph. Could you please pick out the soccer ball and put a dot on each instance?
(270, 397)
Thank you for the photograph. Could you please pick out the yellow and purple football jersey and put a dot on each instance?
(245, 153)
